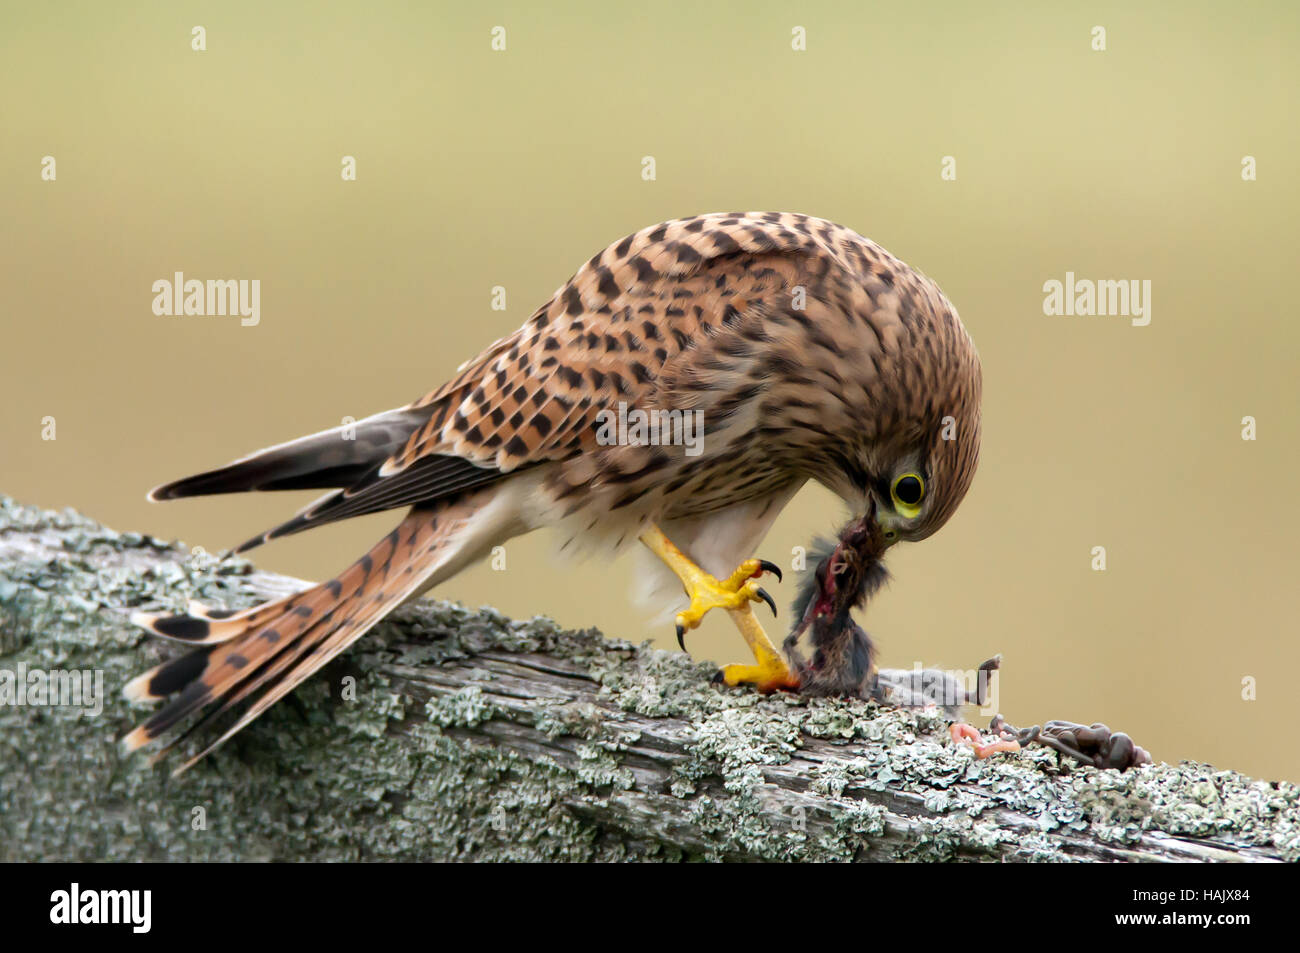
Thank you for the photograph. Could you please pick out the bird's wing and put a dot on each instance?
(658, 310)
(331, 458)
(610, 333)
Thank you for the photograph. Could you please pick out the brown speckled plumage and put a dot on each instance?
(810, 351)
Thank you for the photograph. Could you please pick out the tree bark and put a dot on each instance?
(449, 734)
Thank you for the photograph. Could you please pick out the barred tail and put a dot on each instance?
(256, 657)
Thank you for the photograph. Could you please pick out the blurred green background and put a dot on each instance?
(479, 168)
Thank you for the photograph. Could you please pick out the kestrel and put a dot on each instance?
(806, 351)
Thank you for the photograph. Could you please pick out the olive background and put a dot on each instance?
(479, 168)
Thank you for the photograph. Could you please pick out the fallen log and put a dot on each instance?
(451, 734)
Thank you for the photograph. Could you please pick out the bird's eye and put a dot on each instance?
(908, 491)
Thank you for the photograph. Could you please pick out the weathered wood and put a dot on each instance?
(472, 736)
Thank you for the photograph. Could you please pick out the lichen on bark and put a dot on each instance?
(465, 735)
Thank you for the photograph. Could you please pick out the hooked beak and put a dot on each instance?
(887, 520)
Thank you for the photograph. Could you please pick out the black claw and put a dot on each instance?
(717, 678)
(771, 567)
(762, 594)
(681, 637)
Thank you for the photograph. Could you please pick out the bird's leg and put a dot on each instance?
(707, 592)
(735, 593)
(771, 673)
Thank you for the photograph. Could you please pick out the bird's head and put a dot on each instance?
(919, 442)
(916, 488)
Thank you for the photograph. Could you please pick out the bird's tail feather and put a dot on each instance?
(255, 657)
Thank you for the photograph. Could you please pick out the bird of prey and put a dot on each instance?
(807, 351)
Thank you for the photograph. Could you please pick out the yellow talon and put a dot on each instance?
(707, 593)
(771, 673)
(735, 593)
(744, 572)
